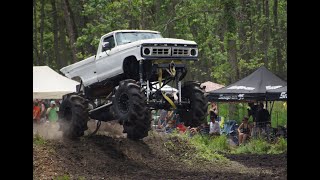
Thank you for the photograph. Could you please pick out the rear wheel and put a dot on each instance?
(195, 115)
(73, 116)
(129, 104)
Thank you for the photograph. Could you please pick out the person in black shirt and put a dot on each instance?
(252, 111)
(262, 120)
(262, 116)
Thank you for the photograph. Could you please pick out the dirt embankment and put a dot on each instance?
(103, 157)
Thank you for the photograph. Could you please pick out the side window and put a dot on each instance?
(110, 39)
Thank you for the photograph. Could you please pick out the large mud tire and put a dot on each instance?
(129, 104)
(73, 116)
(195, 115)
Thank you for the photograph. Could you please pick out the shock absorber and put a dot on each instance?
(178, 85)
(141, 71)
(163, 94)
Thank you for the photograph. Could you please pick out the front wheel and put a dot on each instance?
(130, 107)
(73, 116)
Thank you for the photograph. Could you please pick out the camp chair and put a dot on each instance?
(229, 127)
(230, 130)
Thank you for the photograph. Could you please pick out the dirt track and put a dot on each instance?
(102, 157)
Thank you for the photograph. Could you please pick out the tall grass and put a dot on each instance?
(261, 146)
(210, 148)
(38, 140)
(206, 147)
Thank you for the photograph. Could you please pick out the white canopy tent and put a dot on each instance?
(48, 84)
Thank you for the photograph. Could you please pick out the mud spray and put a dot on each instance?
(49, 130)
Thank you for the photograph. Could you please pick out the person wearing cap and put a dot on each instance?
(52, 114)
(244, 130)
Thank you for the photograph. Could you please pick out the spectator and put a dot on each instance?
(43, 111)
(57, 104)
(181, 127)
(214, 127)
(262, 120)
(52, 114)
(170, 126)
(263, 115)
(36, 112)
(213, 110)
(252, 111)
(162, 119)
(171, 120)
(203, 129)
(244, 130)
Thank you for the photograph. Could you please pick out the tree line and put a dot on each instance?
(234, 36)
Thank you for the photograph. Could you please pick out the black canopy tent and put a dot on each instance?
(254, 87)
(261, 85)
(279, 94)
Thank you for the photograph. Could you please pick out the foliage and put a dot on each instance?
(279, 147)
(260, 31)
(197, 146)
(64, 177)
(209, 148)
(261, 146)
(38, 140)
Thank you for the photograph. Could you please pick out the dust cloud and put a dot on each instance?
(50, 130)
(111, 128)
(47, 130)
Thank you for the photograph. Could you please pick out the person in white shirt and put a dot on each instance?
(214, 126)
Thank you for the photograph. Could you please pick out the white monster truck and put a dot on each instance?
(118, 83)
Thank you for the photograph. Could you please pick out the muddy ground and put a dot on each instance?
(104, 157)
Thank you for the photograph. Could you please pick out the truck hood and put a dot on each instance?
(167, 40)
(66, 70)
(157, 41)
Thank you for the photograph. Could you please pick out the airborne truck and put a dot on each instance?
(118, 83)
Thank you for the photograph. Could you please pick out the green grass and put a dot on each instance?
(207, 148)
(198, 147)
(38, 140)
(261, 146)
(215, 144)
(279, 147)
(212, 148)
(64, 177)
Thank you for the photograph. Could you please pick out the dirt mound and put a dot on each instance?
(101, 157)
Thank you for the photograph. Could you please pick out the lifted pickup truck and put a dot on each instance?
(119, 83)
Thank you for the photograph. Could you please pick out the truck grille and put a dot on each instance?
(161, 51)
(169, 50)
(180, 51)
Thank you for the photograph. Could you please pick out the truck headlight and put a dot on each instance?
(146, 51)
(193, 52)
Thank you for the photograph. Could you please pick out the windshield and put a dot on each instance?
(128, 37)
